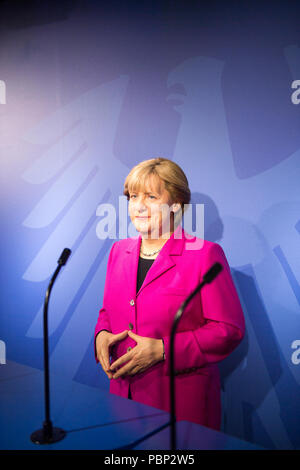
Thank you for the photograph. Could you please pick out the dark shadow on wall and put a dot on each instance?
(255, 366)
(213, 225)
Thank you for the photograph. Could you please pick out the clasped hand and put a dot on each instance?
(147, 352)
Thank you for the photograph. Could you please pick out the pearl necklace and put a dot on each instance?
(150, 254)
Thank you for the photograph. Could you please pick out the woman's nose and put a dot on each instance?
(141, 203)
(141, 206)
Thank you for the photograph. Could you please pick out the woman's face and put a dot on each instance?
(149, 210)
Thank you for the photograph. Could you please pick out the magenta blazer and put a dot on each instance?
(210, 328)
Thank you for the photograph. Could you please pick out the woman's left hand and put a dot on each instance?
(146, 353)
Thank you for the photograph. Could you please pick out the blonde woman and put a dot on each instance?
(147, 279)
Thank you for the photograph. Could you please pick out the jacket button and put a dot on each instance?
(131, 302)
(130, 326)
(129, 349)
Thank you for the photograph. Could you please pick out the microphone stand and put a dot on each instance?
(207, 278)
(49, 434)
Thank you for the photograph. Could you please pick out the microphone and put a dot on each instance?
(48, 434)
(212, 273)
(208, 277)
(64, 256)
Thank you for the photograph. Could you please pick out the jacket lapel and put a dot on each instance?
(165, 260)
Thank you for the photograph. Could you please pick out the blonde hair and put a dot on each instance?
(162, 174)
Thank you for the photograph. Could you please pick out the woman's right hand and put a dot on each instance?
(104, 341)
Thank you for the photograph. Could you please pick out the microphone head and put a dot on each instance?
(64, 256)
(210, 275)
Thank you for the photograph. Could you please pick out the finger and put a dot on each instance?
(134, 336)
(123, 371)
(104, 351)
(118, 337)
(121, 360)
(101, 360)
(135, 370)
(108, 373)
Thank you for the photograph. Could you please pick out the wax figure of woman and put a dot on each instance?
(147, 279)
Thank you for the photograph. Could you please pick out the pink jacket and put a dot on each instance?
(211, 326)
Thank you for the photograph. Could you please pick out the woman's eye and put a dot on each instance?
(150, 196)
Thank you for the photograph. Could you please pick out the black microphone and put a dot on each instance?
(208, 277)
(64, 256)
(212, 273)
(48, 433)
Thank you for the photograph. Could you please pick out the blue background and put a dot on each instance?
(91, 90)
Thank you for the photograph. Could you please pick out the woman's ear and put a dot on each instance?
(175, 207)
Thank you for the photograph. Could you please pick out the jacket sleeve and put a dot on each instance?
(103, 322)
(224, 326)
